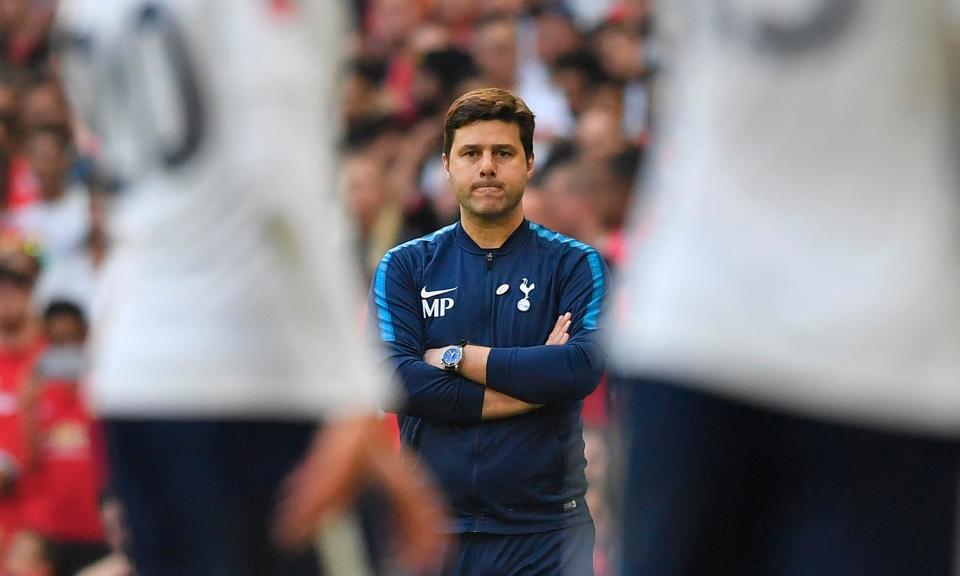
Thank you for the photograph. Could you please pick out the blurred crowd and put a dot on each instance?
(583, 67)
(57, 515)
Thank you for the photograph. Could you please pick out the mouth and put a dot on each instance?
(488, 188)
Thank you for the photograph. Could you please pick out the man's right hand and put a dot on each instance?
(561, 331)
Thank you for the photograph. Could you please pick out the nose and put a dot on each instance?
(488, 168)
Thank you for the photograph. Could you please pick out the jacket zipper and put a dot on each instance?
(476, 434)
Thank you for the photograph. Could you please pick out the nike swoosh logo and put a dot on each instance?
(424, 293)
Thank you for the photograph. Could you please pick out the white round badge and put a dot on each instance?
(502, 289)
(523, 305)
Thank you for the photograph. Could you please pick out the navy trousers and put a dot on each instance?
(564, 552)
(719, 487)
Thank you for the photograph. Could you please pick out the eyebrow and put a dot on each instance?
(494, 147)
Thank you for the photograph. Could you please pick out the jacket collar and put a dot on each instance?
(517, 238)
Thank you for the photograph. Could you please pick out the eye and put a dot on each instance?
(505, 154)
(471, 153)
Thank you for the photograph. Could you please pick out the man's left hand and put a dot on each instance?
(433, 357)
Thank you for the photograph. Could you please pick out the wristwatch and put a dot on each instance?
(451, 358)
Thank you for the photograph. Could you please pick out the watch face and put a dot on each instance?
(452, 356)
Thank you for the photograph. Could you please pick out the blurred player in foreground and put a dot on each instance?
(227, 326)
(790, 328)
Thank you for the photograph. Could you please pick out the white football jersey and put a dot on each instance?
(230, 290)
(803, 232)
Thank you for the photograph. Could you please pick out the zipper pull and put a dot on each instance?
(489, 260)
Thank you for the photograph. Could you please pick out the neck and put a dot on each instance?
(490, 235)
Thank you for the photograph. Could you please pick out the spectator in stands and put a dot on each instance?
(599, 136)
(557, 34)
(65, 475)
(578, 74)
(390, 24)
(418, 173)
(429, 36)
(43, 105)
(8, 133)
(20, 345)
(377, 215)
(572, 207)
(23, 33)
(363, 96)
(76, 276)
(439, 78)
(458, 17)
(623, 56)
(60, 220)
(495, 50)
(543, 39)
(19, 184)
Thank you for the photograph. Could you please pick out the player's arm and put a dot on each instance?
(430, 393)
(346, 455)
(550, 373)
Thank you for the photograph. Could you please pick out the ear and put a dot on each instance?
(446, 165)
(530, 165)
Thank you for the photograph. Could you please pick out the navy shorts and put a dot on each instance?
(715, 486)
(199, 497)
(564, 552)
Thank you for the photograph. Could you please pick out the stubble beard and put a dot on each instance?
(492, 217)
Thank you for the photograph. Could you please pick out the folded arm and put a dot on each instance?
(556, 371)
(431, 393)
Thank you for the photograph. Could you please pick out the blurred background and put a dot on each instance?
(584, 68)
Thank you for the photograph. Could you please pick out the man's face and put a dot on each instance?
(43, 105)
(488, 170)
(65, 330)
(363, 183)
(555, 36)
(495, 51)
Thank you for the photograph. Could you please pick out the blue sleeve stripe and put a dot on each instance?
(593, 308)
(385, 319)
(380, 298)
(596, 271)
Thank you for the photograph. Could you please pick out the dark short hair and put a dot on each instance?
(583, 62)
(365, 131)
(450, 66)
(66, 308)
(486, 104)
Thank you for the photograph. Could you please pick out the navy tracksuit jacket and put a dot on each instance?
(523, 474)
